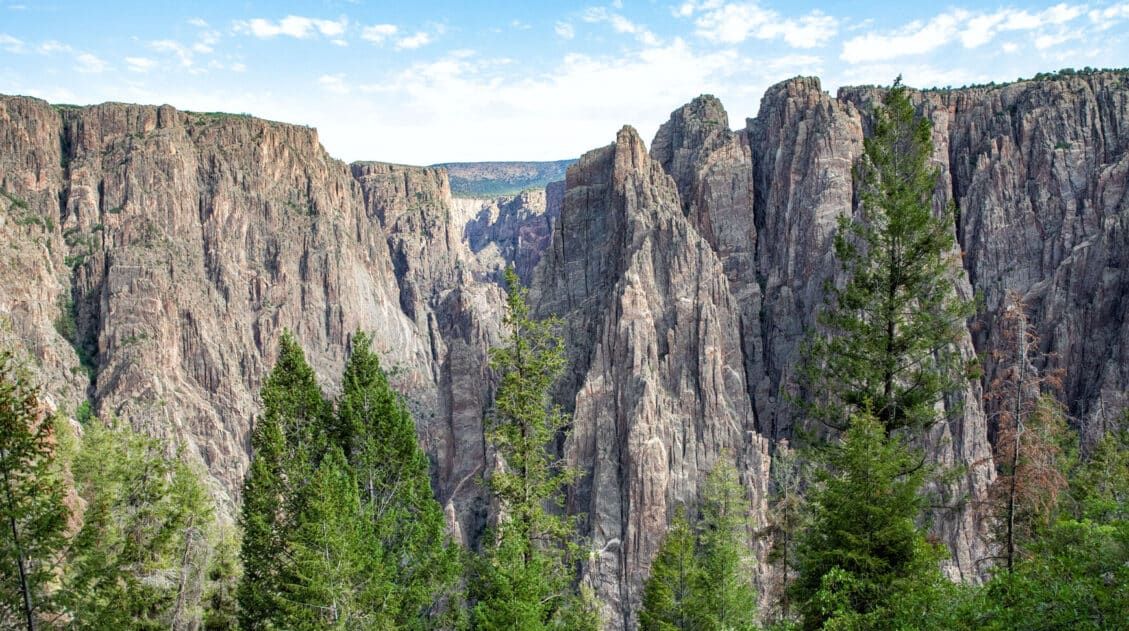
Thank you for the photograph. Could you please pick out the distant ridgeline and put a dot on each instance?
(495, 179)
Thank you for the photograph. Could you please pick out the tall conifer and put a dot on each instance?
(892, 327)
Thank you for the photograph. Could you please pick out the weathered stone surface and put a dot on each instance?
(686, 277)
(659, 385)
(510, 230)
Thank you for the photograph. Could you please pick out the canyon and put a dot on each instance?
(153, 257)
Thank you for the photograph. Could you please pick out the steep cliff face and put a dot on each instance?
(658, 389)
(511, 230)
(154, 257)
(192, 241)
(805, 145)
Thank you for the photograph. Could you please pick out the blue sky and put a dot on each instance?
(420, 81)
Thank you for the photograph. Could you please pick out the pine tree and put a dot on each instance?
(264, 526)
(1030, 431)
(221, 608)
(32, 510)
(725, 597)
(137, 561)
(786, 520)
(668, 593)
(523, 579)
(863, 551)
(893, 325)
(335, 577)
(701, 576)
(378, 434)
(287, 444)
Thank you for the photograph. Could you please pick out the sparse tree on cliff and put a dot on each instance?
(1031, 431)
(892, 327)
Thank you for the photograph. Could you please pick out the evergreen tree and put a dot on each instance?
(138, 560)
(786, 519)
(862, 551)
(292, 398)
(221, 609)
(287, 443)
(668, 594)
(264, 526)
(726, 598)
(335, 577)
(1073, 573)
(1099, 485)
(32, 510)
(701, 577)
(894, 323)
(523, 579)
(377, 432)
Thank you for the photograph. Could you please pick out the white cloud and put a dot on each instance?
(735, 22)
(50, 47)
(420, 112)
(377, 33)
(199, 22)
(1051, 40)
(913, 39)
(413, 42)
(89, 64)
(334, 83)
(972, 30)
(206, 43)
(171, 47)
(139, 64)
(238, 67)
(295, 26)
(520, 25)
(621, 24)
(1108, 17)
(564, 30)
(11, 44)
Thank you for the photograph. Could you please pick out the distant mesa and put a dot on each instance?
(497, 179)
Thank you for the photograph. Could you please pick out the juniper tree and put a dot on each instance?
(139, 559)
(32, 510)
(892, 326)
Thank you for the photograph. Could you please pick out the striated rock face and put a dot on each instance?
(154, 256)
(510, 230)
(659, 385)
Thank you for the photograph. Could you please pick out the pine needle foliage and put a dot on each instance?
(892, 326)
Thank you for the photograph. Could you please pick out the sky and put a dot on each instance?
(421, 82)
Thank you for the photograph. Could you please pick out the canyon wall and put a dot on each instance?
(153, 257)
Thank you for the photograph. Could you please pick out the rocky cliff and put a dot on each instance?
(154, 256)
